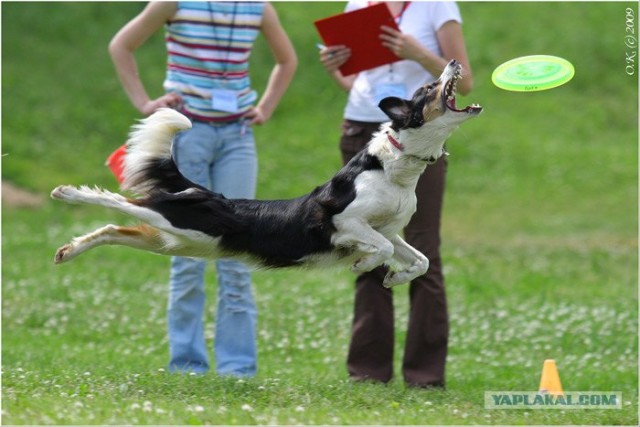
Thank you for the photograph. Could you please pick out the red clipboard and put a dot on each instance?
(360, 31)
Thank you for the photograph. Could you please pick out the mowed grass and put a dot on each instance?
(539, 236)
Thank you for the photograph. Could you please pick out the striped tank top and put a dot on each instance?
(208, 46)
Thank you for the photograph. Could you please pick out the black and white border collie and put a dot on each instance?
(353, 219)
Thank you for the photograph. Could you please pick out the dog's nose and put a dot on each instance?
(453, 67)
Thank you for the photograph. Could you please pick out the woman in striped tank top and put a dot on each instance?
(208, 47)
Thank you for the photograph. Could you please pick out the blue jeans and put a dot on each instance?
(222, 158)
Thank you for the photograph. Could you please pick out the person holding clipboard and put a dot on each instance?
(429, 35)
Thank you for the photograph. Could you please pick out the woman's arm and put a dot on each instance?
(451, 43)
(123, 46)
(282, 73)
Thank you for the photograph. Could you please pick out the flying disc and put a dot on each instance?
(533, 73)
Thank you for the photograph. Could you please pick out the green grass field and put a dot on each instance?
(539, 235)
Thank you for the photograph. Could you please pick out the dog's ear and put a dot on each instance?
(398, 110)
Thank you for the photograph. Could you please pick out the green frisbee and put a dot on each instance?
(533, 73)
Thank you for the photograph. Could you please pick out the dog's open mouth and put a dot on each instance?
(450, 95)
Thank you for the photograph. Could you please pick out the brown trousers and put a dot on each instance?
(372, 336)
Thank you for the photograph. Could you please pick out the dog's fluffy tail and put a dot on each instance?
(148, 164)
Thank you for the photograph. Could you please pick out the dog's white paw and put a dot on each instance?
(394, 278)
(376, 256)
(359, 267)
(366, 264)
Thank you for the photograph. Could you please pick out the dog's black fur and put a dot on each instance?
(277, 232)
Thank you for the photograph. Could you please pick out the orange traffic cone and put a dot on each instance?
(550, 379)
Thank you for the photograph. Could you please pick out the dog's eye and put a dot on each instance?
(430, 89)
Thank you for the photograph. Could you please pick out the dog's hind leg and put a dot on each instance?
(140, 237)
(405, 254)
(107, 199)
(86, 195)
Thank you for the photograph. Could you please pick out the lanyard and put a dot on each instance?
(404, 7)
(398, 20)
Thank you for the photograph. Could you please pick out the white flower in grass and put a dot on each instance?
(299, 409)
(247, 407)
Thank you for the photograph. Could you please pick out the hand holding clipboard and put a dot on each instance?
(356, 35)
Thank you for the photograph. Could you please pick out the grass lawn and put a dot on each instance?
(539, 236)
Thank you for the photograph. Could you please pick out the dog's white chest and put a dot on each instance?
(386, 207)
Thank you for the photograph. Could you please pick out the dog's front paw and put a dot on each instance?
(394, 278)
(359, 267)
(374, 257)
(365, 264)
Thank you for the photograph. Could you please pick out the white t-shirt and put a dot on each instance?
(420, 19)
